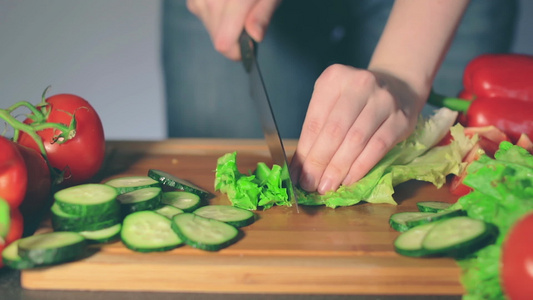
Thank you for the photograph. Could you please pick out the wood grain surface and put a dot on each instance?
(347, 250)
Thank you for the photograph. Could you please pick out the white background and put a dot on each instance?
(107, 51)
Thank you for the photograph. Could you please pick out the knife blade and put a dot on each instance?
(264, 108)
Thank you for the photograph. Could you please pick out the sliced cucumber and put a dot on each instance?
(203, 233)
(459, 236)
(398, 221)
(434, 217)
(168, 211)
(11, 258)
(140, 199)
(409, 243)
(432, 206)
(131, 183)
(172, 181)
(148, 231)
(52, 247)
(105, 235)
(62, 221)
(87, 199)
(232, 215)
(185, 201)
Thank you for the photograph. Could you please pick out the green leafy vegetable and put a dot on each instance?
(502, 194)
(263, 189)
(415, 158)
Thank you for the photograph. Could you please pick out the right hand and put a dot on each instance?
(225, 20)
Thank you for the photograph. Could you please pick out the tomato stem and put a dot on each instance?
(39, 117)
(457, 104)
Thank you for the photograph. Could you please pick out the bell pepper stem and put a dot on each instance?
(457, 104)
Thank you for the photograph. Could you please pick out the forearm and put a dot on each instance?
(415, 41)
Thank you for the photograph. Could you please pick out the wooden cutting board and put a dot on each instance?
(347, 250)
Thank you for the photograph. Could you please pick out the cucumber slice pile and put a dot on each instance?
(441, 232)
(135, 210)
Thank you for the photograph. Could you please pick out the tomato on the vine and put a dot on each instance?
(13, 173)
(517, 260)
(81, 156)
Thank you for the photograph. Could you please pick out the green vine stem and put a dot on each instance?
(457, 104)
(67, 132)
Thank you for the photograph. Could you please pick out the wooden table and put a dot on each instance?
(347, 250)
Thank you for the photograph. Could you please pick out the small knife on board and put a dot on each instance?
(259, 96)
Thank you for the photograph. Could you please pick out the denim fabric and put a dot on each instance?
(207, 94)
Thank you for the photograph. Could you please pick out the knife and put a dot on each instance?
(268, 122)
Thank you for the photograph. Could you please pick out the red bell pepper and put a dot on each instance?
(507, 76)
(498, 91)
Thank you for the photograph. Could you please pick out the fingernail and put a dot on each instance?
(326, 185)
(308, 183)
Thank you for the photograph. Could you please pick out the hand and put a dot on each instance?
(354, 118)
(225, 20)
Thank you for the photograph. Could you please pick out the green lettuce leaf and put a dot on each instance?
(262, 189)
(502, 194)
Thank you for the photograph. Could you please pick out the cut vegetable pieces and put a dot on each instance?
(405, 220)
(203, 233)
(432, 206)
(87, 199)
(168, 211)
(62, 221)
(11, 258)
(434, 217)
(232, 215)
(457, 237)
(52, 247)
(398, 221)
(185, 201)
(105, 235)
(454, 237)
(131, 183)
(409, 243)
(172, 181)
(140, 199)
(148, 231)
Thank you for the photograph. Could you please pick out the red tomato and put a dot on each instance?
(517, 260)
(39, 182)
(13, 174)
(80, 157)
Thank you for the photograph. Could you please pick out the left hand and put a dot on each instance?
(354, 118)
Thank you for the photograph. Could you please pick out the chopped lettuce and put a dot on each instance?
(502, 194)
(263, 189)
(416, 158)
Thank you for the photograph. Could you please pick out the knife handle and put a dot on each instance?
(248, 50)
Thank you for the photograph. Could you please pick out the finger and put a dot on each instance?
(230, 27)
(258, 19)
(322, 101)
(347, 110)
(356, 139)
(379, 144)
